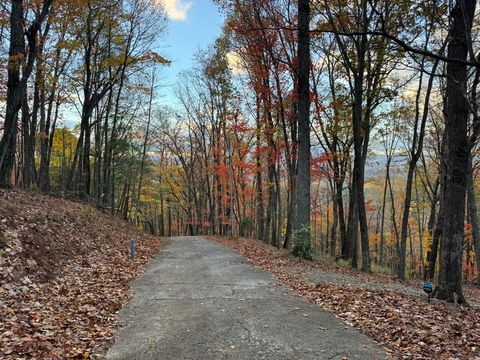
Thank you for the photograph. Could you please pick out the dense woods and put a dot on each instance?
(344, 129)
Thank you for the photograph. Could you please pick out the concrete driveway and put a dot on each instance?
(200, 300)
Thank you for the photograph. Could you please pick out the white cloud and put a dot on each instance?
(235, 63)
(177, 9)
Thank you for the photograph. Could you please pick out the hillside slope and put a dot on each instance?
(64, 273)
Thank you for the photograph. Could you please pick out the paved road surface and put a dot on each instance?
(200, 300)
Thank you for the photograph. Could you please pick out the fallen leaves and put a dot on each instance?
(406, 324)
(64, 273)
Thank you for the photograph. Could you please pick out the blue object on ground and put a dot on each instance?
(428, 288)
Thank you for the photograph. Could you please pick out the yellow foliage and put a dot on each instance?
(63, 147)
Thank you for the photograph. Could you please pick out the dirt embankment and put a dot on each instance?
(64, 273)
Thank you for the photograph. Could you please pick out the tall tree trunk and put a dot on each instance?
(15, 93)
(362, 214)
(333, 234)
(303, 73)
(393, 217)
(260, 221)
(340, 208)
(436, 236)
(437, 229)
(421, 228)
(28, 131)
(473, 214)
(15, 85)
(97, 164)
(381, 250)
(46, 141)
(84, 164)
(357, 199)
(161, 217)
(169, 216)
(349, 247)
(144, 151)
(43, 173)
(291, 208)
(450, 275)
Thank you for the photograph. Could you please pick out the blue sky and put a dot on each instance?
(194, 24)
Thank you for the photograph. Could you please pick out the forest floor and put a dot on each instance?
(65, 271)
(394, 313)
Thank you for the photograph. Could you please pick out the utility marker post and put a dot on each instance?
(132, 249)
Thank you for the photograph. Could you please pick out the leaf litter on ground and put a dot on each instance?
(65, 271)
